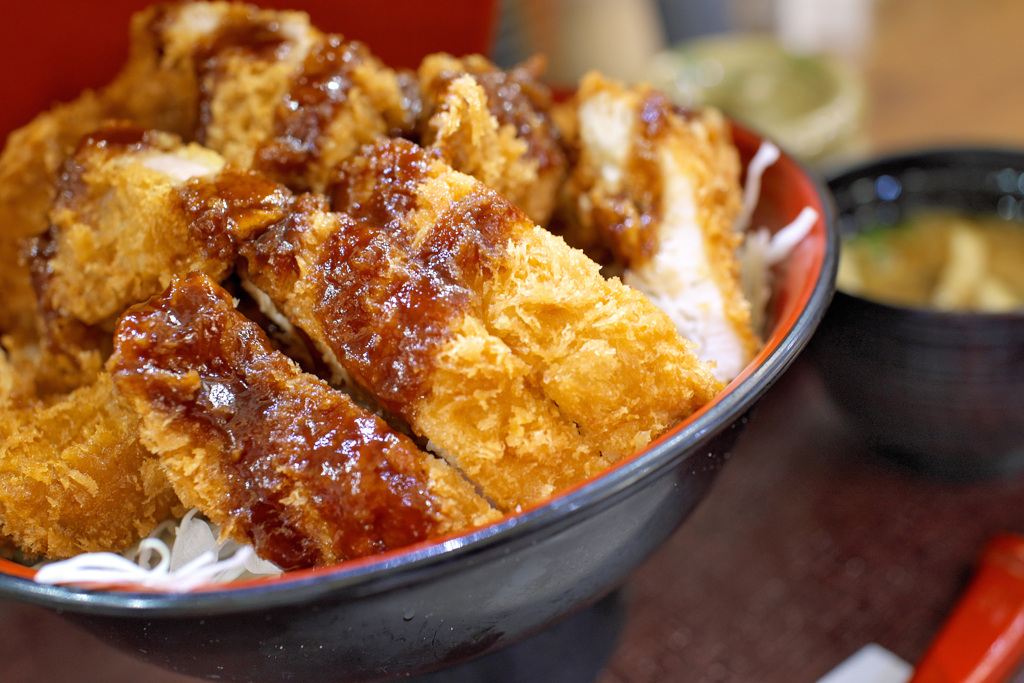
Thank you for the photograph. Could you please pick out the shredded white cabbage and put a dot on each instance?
(767, 154)
(194, 558)
(760, 251)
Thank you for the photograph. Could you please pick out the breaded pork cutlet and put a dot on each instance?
(29, 166)
(495, 126)
(269, 90)
(386, 316)
(657, 191)
(128, 215)
(262, 87)
(501, 345)
(74, 478)
(407, 332)
(275, 456)
(33, 157)
(610, 361)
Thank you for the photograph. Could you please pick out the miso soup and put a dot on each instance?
(938, 259)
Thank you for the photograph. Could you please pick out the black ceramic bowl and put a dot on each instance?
(939, 391)
(443, 602)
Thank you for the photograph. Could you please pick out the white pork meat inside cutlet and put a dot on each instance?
(656, 192)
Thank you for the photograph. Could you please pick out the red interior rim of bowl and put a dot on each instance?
(809, 272)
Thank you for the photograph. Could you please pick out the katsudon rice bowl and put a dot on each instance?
(321, 367)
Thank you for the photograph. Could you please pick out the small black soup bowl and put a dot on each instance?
(939, 391)
(443, 602)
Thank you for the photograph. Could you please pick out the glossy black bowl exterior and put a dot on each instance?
(425, 610)
(940, 391)
(443, 602)
(419, 616)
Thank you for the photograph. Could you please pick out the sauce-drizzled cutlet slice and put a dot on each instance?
(276, 457)
(133, 209)
(657, 190)
(161, 87)
(29, 166)
(270, 91)
(494, 125)
(273, 93)
(406, 330)
(74, 477)
(612, 363)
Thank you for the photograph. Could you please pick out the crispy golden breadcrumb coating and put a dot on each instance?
(274, 456)
(74, 478)
(243, 144)
(269, 90)
(610, 361)
(117, 233)
(262, 87)
(656, 190)
(29, 167)
(494, 125)
(404, 331)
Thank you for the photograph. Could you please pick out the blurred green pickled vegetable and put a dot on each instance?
(812, 105)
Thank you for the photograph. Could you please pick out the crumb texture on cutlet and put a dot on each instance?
(495, 125)
(274, 456)
(404, 328)
(74, 477)
(117, 230)
(606, 357)
(271, 91)
(388, 220)
(656, 192)
(29, 166)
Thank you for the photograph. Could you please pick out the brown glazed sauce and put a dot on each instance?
(468, 240)
(241, 35)
(273, 253)
(384, 313)
(230, 206)
(115, 136)
(357, 487)
(381, 186)
(630, 221)
(518, 98)
(389, 306)
(317, 92)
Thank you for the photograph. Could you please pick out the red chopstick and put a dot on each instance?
(982, 641)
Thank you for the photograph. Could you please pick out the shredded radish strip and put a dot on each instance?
(195, 558)
(760, 251)
(767, 154)
(785, 240)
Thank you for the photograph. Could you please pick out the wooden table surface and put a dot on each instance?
(808, 547)
(942, 72)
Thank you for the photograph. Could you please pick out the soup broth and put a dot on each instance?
(938, 259)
